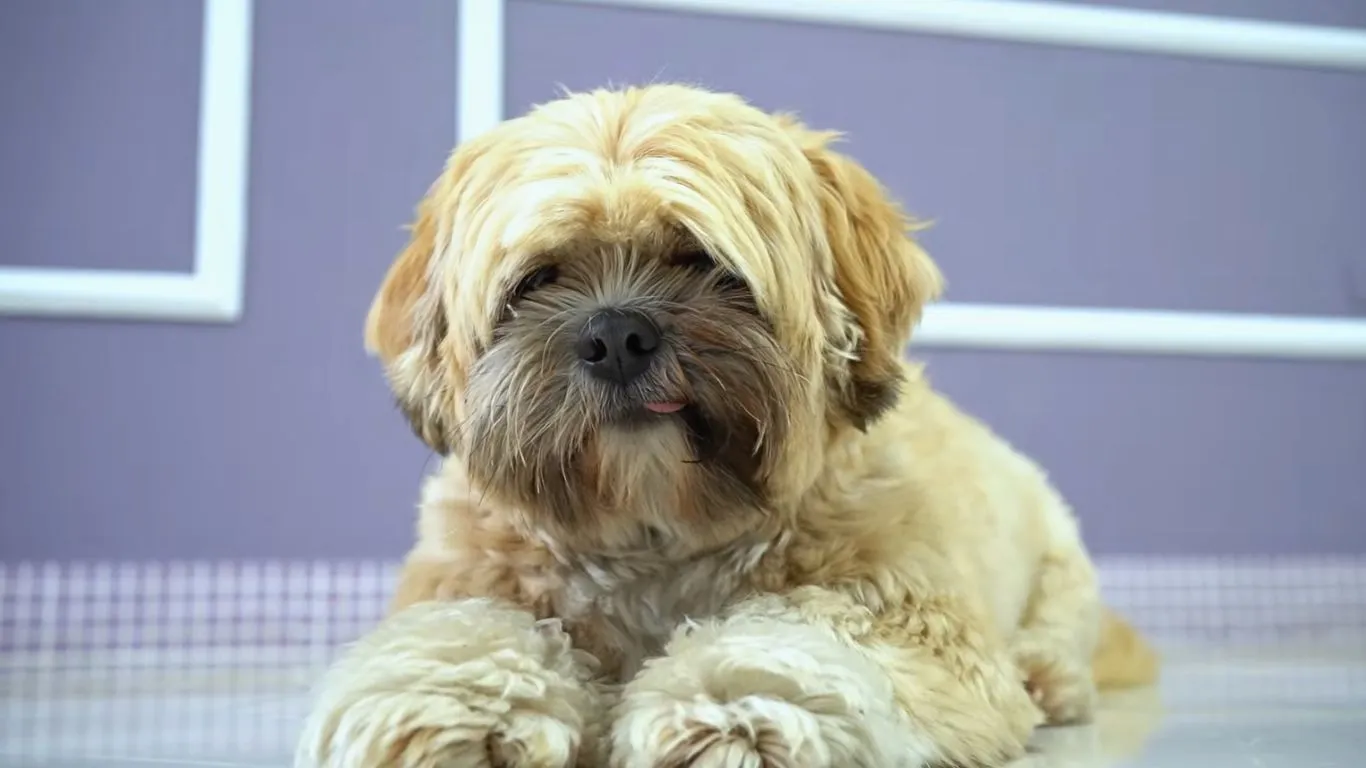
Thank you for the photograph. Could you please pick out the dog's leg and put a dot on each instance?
(473, 682)
(1057, 637)
(814, 678)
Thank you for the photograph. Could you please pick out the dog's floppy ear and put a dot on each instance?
(390, 326)
(884, 277)
(405, 313)
(405, 328)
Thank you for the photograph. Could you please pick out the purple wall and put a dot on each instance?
(1056, 176)
(275, 436)
(97, 97)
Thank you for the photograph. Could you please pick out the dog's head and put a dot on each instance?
(649, 310)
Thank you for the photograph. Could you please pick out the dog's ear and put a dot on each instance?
(405, 327)
(884, 277)
(390, 326)
(406, 313)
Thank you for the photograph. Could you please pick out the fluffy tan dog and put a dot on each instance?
(695, 507)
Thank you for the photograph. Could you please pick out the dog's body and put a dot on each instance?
(768, 542)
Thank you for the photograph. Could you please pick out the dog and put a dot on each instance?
(696, 507)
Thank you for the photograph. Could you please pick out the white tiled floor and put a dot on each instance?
(1261, 713)
(1225, 710)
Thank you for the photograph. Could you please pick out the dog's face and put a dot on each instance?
(641, 316)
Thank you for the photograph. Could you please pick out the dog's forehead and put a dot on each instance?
(728, 178)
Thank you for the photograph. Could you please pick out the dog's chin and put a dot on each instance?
(697, 427)
(691, 473)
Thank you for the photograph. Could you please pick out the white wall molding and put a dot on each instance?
(213, 291)
(1141, 331)
(480, 63)
(1064, 24)
(480, 106)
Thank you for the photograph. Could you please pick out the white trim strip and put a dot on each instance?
(224, 160)
(213, 291)
(991, 326)
(1117, 29)
(479, 67)
(1136, 331)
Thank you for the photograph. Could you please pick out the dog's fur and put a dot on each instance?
(818, 562)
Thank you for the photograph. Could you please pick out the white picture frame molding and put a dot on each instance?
(212, 292)
(480, 105)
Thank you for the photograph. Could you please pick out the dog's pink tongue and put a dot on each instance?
(663, 407)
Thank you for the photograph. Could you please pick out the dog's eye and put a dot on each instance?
(728, 281)
(539, 278)
(701, 261)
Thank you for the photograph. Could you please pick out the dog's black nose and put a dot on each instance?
(617, 344)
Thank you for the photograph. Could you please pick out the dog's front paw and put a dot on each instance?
(751, 732)
(752, 694)
(471, 683)
(429, 730)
